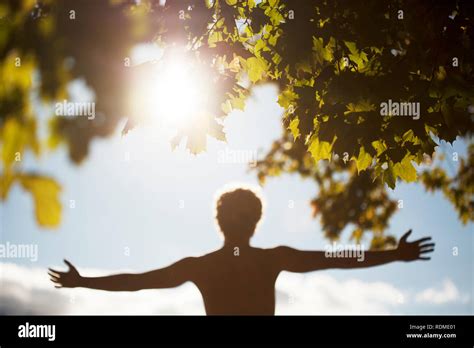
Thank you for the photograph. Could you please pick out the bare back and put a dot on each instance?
(237, 281)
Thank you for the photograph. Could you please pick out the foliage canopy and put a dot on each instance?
(335, 63)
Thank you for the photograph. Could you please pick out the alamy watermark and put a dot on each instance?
(336, 250)
(237, 156)
(28, 330)
(394, 108)
(66, 108)
(19, 251)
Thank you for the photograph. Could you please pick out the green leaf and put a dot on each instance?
(6, 181)
(320, 149)
(409, 136)
(362, 106)
(215, 37)
(293, 127)
(405, 169)
(261, 44)
(196, 143)
(45, 193)
(379, 146)
(286, 98)
(216, 130)
(237, 102)
(389, 176)
(256, 68)
(272, 3)
(364, 160)
(358, 57)
(17, 137)
(195, 133)
(320, 52)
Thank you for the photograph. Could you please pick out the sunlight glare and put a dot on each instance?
(170, 92)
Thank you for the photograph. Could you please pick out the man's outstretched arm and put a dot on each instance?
(168, 277)
(294, 260)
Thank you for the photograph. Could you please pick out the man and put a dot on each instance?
(238, 278)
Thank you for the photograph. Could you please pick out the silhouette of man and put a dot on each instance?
(238, 278)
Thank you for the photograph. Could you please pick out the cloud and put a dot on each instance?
(27, 290)
(323, 294)
(448, 293)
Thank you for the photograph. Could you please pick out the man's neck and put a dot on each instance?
(231, 244)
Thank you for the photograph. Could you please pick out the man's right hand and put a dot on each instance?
(69, 279)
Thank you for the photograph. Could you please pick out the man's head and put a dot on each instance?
(237, 213)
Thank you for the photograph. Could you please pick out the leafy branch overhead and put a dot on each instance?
(339, 66)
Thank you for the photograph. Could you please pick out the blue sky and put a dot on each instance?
(157, 207)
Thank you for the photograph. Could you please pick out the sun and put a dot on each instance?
(175, 93)
(170, 92)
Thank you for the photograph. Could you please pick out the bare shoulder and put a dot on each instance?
(206, 257)
(279, 250)
(276, 253)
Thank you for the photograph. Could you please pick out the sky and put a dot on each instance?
(135, 205)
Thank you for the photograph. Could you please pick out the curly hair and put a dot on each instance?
(237, 213)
